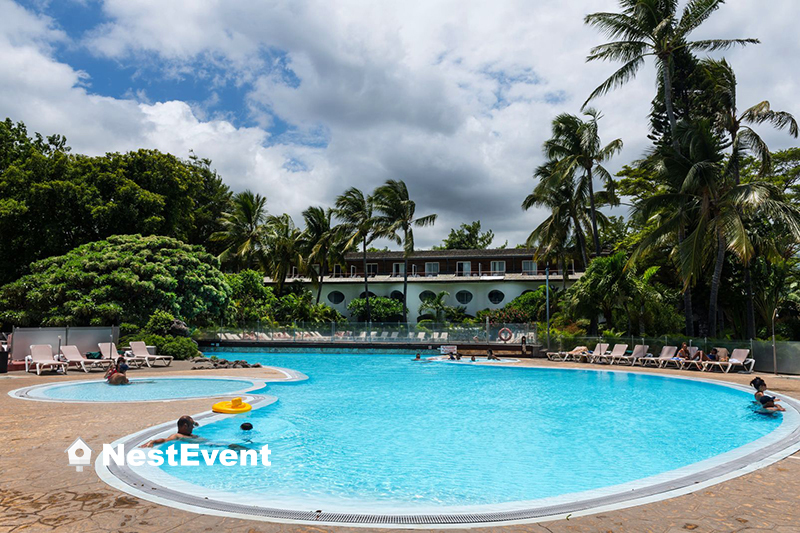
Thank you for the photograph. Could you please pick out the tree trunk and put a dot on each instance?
(322, 271)
(594, 214)
(751, 315)
(564, 274)
(715, 281)
(687, 300)
(581, 242)
(405, 289)
(366, 283)
(673, 123)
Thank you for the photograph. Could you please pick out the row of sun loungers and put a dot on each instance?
(42, 358)
(740, 357)
(339, 335)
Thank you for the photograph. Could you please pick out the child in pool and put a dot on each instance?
(767, 402)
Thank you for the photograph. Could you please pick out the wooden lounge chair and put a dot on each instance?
(640, 350)
(616, 352)
(740, 357)
(41, 358)
(139, 349)
(667, 353)
(74, 357)
(109, 351)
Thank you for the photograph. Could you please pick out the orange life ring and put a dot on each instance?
(504, 334)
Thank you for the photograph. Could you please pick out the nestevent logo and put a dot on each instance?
(186, 454)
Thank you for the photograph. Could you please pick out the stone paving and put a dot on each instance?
(38, 494)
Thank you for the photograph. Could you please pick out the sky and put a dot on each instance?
(300, 99)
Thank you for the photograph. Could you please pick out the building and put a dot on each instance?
(475, 279)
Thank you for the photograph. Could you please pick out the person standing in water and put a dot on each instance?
(767, 402)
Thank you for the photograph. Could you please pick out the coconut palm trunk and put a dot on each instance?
(673, 123)
(715, 281)
(323, 269)
(366, 283)
(593, 213)
(405, 286)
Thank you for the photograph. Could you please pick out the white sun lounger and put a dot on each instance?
(616, 352)
(74, 357)
(667, 353)
(109, 351)
(41, 358)
(599, 349)
(640, 350)
(139, 349)
(740, 357)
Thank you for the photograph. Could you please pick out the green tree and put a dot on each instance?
(377, 308)
(398, 215)
(322, 244)
(242, 233)
(436, 305)
(577, 155)
(467, 237)
(282, 249)
(122, 279)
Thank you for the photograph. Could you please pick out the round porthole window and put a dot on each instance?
(464, 297)
(364, 295)
(336, 297)
(426, 295)
(496, 297)
(396, 295)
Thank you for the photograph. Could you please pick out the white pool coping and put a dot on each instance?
(153, 484)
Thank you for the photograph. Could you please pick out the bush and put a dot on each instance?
(159, 323)
(177, 347)
(122, 279)
(382, 309)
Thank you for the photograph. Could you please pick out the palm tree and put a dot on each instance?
(398, 215)
(321, 244)
(242, 229)
(569, 215)
(283, 249)
(653, 28)
(577, 153)
(721, 82)
(359, 225)
(437, 305)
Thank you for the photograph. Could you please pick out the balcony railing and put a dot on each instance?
(554, 273)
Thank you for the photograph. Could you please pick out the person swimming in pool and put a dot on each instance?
(472, 358)
(186, 425)
(417, 358)
(767, 402)
(490, 356)
(116, 373)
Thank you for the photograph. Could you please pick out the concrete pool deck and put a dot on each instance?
(38, 492)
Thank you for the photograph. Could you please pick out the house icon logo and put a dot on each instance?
(80, 454)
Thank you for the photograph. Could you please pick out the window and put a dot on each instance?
(337, 271)
(496, 297)
(414, 270)
(294, 272)
(431, 269)
(398, 269)
(426, 295)
(464, 297)
(364, 295)
(352, 271)
(336, 297)
(396, 295)
(529, 267)
(498, 267)
(372, 269)
(463, 268)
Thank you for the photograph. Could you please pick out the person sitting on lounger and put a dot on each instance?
(186, 425)
(490, 356)
(767, 402)
(116, 373)
(713, 355)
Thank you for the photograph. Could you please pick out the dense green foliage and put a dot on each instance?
(467, 237)
(52, 201)
(382, 309)
(121, 279)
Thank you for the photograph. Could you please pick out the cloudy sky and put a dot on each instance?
(300, 99)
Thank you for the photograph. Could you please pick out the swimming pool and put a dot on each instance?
(139, 389)
(381, 434)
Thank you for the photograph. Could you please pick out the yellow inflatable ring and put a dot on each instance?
(231, 407)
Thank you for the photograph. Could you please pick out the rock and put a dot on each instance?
(256, 365)
(179, 329)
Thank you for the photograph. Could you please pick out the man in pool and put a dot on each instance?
(186, 425)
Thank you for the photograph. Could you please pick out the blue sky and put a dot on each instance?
(300, 99)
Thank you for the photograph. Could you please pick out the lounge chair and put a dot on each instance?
(565, 356)
(443, 336)
(394, 335)
(435, 336)
(74, 357)
(740, 357)
(640, 350)
(599, 349)
(421, 336)
(616, 352)
(41, 358)
(667, 354)
(691, 361)
(109, 351)
(139, 349)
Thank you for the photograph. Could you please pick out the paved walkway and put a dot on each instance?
(37, 492)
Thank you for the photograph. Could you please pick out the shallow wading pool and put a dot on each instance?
(381, 434)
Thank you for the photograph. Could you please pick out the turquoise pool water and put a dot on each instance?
(383, 433)
(140, 389)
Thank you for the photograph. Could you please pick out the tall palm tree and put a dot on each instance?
(359, 225)
(242, 229)
(653, 28)
(282, 249)
(321, 244)
(398, 214)
(569, 215)
(721, 81)
(437, 305)
(578, 154)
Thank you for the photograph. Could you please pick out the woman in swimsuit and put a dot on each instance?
(767, 402)
(116, 374)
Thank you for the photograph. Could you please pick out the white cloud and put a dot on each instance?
(454, 97)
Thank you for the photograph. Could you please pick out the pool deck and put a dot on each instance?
(39, 492)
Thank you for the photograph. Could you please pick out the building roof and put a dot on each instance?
(445, 254)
